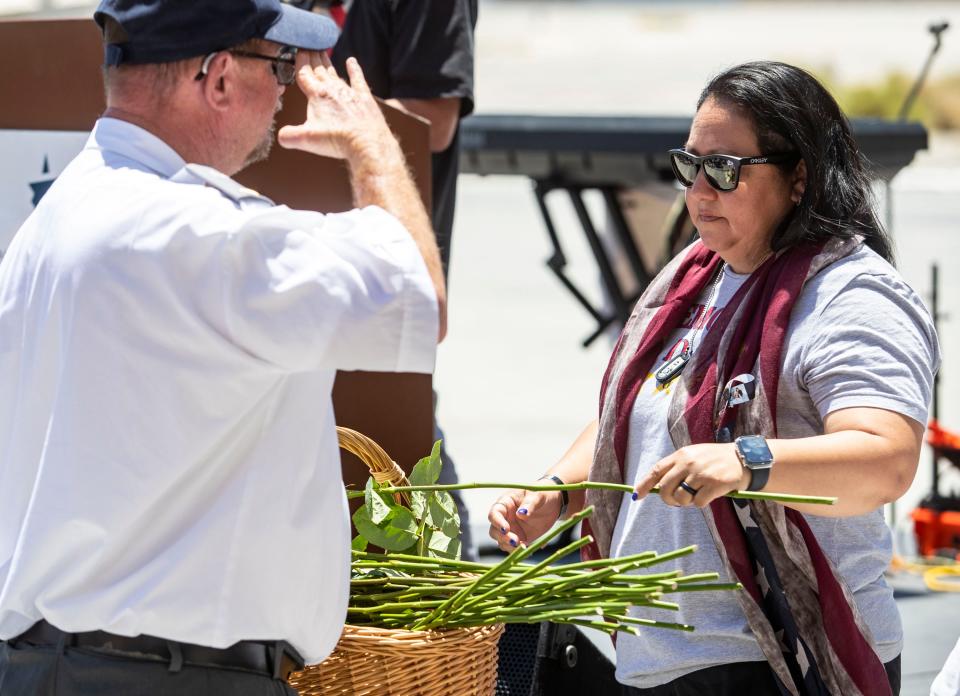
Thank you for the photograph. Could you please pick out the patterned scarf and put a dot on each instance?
(817, 643)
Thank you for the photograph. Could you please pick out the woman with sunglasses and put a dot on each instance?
(781, 351)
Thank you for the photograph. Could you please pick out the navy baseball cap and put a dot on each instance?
(161, 31)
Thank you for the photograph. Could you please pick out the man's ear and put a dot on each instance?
(219, 82)
(799, 183)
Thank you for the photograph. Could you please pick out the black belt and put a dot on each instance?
(276, 659)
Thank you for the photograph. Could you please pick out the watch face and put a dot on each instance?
(754, 449)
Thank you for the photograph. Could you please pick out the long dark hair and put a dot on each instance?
(793, 112)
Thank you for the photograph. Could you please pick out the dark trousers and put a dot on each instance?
(29, 670)
(754, 678)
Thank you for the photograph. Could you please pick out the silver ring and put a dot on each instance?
(688, 488)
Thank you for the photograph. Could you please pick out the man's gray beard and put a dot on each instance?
(262, 150)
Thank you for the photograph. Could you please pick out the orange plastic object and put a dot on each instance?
(941, 438)
(936, 530)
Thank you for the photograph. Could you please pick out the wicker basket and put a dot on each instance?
(394, 662)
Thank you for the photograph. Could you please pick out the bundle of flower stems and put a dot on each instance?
(419, 593)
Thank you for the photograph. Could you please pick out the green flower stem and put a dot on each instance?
(536, 615)
(605, 626)
(393, 606)
(671, 575)
(548, 613)
(636, 561)
(521, 486)
(698, 577)
(706, 587)
(650, 622)
(569, 548)
(510, 561)
(445, 563)
(414, 592)
(407, 581)
(600, 592)
(597, 485)
(597, 578)
(423, 564)
(639, 560)
(566, 583)
(408, 591)
(386, 596)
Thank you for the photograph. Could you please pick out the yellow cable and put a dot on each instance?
(932, 577)
(933, 570)
(899, 563)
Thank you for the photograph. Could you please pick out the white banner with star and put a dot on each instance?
(30, 162)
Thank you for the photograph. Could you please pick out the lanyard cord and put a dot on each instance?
(713, 298)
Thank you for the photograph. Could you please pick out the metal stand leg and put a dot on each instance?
(625, 238)
(622, 303)
(558, 261)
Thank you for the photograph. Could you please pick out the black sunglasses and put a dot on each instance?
(721, 171)
(284, 66)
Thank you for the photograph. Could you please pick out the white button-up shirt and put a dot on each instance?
(168, 345)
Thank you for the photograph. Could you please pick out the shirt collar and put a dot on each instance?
(135, 143)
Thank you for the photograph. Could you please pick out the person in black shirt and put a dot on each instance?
(418, 55)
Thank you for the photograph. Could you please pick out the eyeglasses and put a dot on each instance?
(722, 172)
(284, 65)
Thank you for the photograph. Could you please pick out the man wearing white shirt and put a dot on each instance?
(172, 518)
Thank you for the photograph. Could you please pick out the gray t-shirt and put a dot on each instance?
(858, 336)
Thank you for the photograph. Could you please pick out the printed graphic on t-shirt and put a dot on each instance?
(692, 329)
(700, 317)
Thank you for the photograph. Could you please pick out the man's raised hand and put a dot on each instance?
(343, 120)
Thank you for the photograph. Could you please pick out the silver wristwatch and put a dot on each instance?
(755, 455)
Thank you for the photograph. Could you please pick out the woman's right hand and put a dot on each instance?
(518, 517)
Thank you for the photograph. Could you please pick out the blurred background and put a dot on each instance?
(515, 383)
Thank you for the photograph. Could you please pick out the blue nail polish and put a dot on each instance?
(503, 530)
(522, 511)
(513, 543)
(635, 495)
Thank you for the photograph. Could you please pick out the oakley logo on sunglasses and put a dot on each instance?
(722, 172)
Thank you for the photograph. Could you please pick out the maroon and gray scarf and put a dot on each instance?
(816, 643)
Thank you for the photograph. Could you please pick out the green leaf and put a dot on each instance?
(359, 543)
(380, 509)
(448, 503)
(403, 520)
(394, 573)
(442, 514)
(443, 546)
(395, 534)
(377, 573)
(418, 503)
(427, 470)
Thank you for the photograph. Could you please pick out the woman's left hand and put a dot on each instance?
(710, 470)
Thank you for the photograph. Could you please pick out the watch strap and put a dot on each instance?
(758, 478)
(564, 497)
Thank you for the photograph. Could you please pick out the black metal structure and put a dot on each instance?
(611, 154)
(548, 659)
